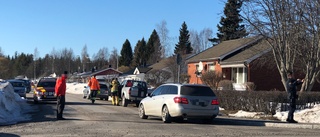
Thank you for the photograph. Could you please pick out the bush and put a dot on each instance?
(263, 101)
(226, 85)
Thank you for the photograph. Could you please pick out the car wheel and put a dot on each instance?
(124, 101)
(107, 98)
(142, 114)
(101, 98)
(166, 118)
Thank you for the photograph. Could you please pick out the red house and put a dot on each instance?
(240, 61)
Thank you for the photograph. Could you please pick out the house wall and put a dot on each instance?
(265, 76)
(192, 69)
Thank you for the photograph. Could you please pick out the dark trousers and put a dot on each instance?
(292, 108)
(61, 101)
(93, 94)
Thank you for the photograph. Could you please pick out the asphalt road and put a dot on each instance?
(104, 119)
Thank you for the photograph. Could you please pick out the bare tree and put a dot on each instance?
(157, 77)
(282, 24)
(163, 33)
(195, 41)
(114, 57)
(84, 58)
(101, 58)
(212, 78)
(35, 58)
(204, 37)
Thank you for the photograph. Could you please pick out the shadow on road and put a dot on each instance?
(86, 103)
(8, 135)
(223, 121)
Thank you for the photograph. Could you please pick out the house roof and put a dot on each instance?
(161, 64)
(223, 49)
(248, 54)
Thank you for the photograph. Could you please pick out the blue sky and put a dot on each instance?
(58, 24)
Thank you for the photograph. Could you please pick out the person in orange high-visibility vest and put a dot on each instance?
(94, 87)
(60, 92)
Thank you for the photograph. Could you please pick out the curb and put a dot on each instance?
(293, 125)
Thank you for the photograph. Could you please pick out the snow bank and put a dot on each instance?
(13, 108)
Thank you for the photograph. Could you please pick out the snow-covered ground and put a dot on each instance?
(14, 109)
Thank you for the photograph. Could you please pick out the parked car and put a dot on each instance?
(27, 83)
(44, 90)
(19, 87)
(180, 102)
(132, 91)
(104, 92)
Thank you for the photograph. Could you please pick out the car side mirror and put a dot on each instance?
(148, 95)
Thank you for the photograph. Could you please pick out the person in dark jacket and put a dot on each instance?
(60, 92)
(292, 84)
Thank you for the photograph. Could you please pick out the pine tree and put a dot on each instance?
(140, 54)
(126, 54)
(184, 46)
(154, 48)
(230, 27)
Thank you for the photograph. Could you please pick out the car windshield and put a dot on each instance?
(196, 91)
(17, 84)
(46, 84)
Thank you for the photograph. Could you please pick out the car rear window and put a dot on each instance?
(196, 91)
(17, 84)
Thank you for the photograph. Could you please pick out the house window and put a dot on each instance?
(211, 67)
(239, 75)
(197, 67)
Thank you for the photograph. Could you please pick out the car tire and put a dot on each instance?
(101, 98)
(142, 114)
(106, 98)
(124, 101)
(165, 115)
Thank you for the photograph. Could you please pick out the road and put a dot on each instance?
(104, 119)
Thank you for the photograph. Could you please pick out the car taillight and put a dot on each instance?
(215, 102)
(180, 100)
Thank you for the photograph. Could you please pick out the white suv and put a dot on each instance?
(180, 101)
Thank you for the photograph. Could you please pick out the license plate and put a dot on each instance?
(49, 93)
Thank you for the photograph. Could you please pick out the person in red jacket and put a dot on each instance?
(60, 92)
(94, 87)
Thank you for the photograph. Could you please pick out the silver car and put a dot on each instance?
(104, 91)
(180, 101)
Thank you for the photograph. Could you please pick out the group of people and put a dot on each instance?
(60, 92)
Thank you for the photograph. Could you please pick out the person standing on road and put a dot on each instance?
(60, 92)
(292, 94)
(114, 91)
(94, 87)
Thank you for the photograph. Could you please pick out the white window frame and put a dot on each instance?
(235, 76)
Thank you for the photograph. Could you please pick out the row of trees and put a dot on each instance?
(144, 53)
